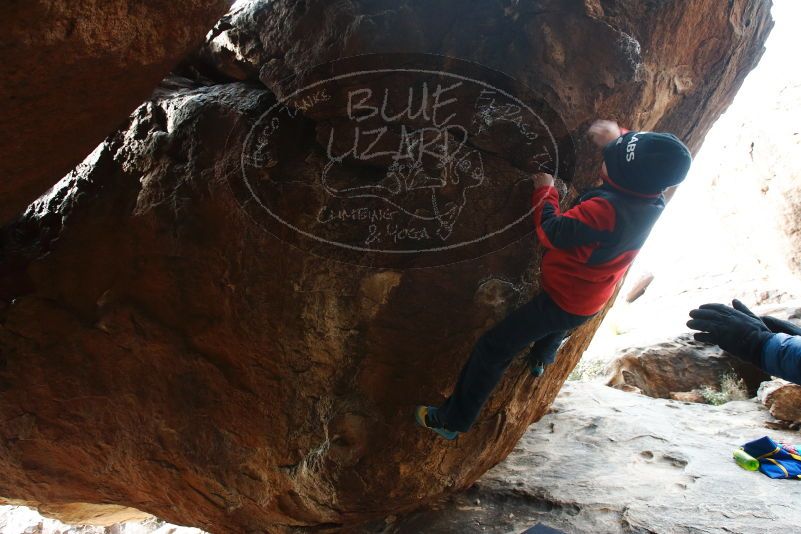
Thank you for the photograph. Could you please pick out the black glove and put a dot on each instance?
(777, 326)
(736, 330)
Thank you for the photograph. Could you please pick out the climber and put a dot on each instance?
(588, 249)
(769, 343)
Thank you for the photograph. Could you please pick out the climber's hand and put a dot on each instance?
(542, 179)
(778, 326)
(603, 132)
(740, 307)
(740, 333)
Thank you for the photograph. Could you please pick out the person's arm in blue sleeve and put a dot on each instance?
(781, 356)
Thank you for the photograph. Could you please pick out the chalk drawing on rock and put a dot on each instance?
(439, 149)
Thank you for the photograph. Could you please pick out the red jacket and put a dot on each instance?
(591, 245)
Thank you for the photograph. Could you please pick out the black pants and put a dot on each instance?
(538, 321)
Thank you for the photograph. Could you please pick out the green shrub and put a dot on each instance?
(732, 388)
(587, 370)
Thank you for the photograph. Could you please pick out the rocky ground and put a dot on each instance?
(608, 461)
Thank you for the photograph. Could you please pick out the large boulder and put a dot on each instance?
(72, 71)
(163, 351)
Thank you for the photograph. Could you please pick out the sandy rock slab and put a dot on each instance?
(612, 462)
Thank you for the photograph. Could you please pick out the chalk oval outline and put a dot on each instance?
(357, 248)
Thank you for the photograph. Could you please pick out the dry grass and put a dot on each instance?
(732, 388)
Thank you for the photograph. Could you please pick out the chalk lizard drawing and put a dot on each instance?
(407, 182)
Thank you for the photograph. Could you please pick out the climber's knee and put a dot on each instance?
(492, 351)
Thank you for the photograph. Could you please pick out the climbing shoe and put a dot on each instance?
(426, 416)
(542, 353)
(536, 367)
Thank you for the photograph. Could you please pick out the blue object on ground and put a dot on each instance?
(776, 460)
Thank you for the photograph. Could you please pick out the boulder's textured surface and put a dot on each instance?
(679, 365)
(783, 399)
(162, 351)
(72, 71)
(606, 461)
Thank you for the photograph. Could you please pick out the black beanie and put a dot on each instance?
(646, 163)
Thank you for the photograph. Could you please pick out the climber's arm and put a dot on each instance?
(781, 356)
(587, 223)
